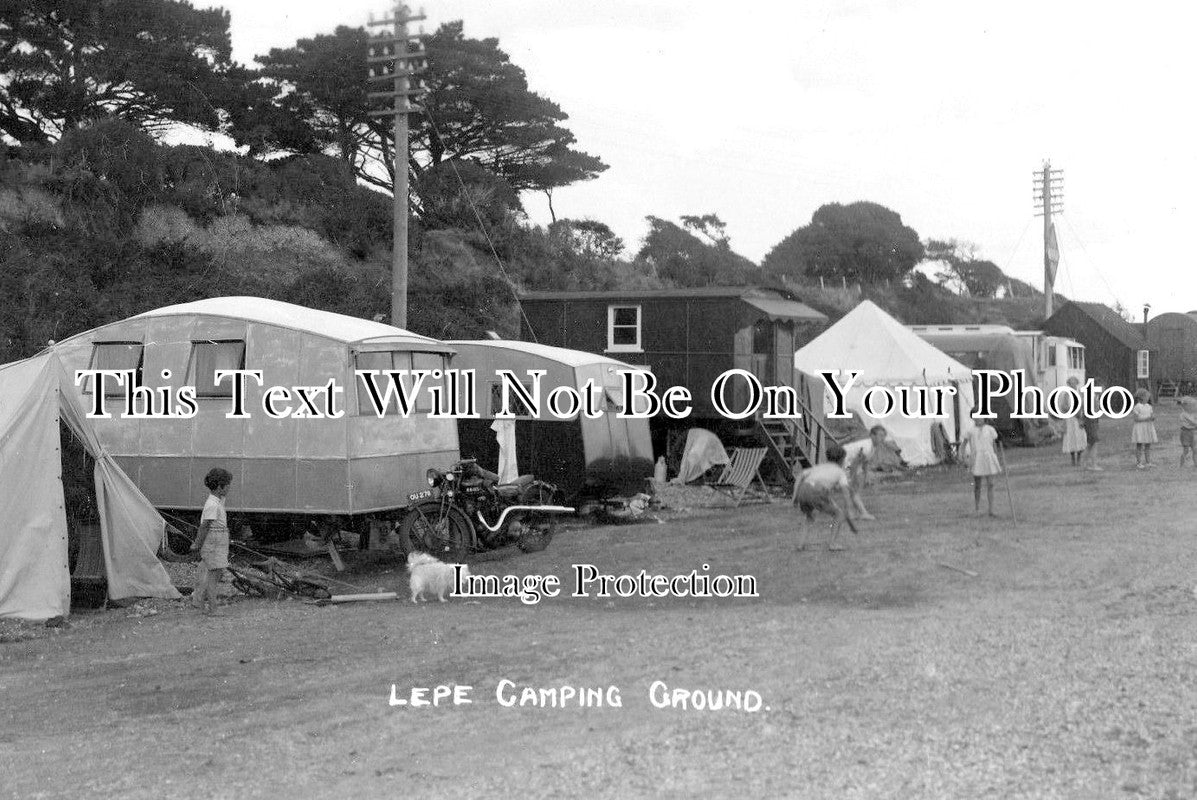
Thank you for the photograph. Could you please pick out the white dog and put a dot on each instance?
(428, 576)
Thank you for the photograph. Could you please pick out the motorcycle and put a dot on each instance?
(467, 510)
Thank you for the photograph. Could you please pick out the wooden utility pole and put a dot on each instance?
(395, 56)
(1049, 196)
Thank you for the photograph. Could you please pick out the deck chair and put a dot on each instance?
(740, 472)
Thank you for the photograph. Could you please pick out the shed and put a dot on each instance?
(580, 455)
(1116, 352)
(359, 463)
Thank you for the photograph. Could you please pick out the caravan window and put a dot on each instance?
(623, 329)
(208, 357)
(384, 360)
(116, 355)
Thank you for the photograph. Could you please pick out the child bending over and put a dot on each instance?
(825, 487)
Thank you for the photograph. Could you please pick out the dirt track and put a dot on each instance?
(1065, 668)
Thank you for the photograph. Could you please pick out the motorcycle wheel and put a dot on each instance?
(538, 494)
(441, 531)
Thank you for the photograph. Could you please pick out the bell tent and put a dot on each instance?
(36, 397)
(886, 353)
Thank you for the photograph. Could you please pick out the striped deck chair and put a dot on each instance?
(740, 472)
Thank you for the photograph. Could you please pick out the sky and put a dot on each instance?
(761, 112)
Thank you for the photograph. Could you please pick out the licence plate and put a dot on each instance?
(414, 496)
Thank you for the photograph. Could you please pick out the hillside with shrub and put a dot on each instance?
(101, 218)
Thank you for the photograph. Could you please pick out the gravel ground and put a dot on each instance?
(1063, 666)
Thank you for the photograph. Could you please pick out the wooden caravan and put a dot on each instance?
(599, 456)
(358, 464)
(1172, 339)
(1116, 351)
(689, 337)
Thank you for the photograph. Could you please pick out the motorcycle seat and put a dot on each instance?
(516, 486)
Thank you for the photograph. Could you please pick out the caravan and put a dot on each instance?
(355, 466)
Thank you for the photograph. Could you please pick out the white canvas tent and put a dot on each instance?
(887, 353)
(34, 576)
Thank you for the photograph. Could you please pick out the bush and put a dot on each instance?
(110, 171)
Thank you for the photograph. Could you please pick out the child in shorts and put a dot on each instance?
(212, 542)
(1188, 429)
(817, 489)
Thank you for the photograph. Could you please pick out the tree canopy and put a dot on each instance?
(862, 241)
(312, 97)
(68, 62)
(682, 258)
(962, 271)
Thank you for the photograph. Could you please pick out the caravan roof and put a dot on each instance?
(562, 355)
(286, 315)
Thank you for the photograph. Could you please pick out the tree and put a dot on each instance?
(684, 259)
(962, 271)
(310, 98)
(152, 62)
(588, 238)
(479, 107)
(313, 98)
(708, 226)
(861, 241)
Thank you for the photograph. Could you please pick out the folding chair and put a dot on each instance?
(740, 472)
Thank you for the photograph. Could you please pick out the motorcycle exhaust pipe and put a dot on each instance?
(509, 509)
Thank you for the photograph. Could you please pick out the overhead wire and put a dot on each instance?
(486, 233)
(1085, 250)
(1014, 252)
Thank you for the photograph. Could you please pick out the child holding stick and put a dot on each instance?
(979, 448)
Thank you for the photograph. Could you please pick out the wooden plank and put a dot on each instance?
(336, 557)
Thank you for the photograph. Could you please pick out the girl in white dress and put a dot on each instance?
(980, 448)
(1075, 440)
(1143, 433)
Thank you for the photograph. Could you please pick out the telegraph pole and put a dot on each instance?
(1049, 196)
(394, 56)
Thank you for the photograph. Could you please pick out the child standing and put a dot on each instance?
(1075, 440)
(858, 469)
(1090, 424)
(979, 447)
(1188, 429)
(1143, 433)
(212, 542)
